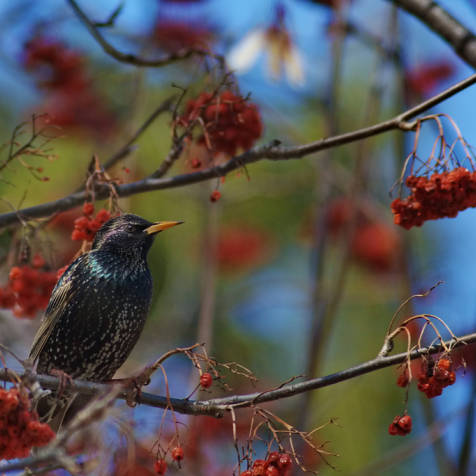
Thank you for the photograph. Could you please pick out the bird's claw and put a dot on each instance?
(133, 387)
(64, 380)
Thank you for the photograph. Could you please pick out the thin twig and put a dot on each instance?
(133, 59)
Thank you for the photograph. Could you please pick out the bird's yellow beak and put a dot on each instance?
(161, 225)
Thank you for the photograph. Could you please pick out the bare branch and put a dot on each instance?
(273, 151)
(462, 40)
(111, 19)
(130, 58)
(217, 406)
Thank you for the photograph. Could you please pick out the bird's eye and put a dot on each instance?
(131, 228)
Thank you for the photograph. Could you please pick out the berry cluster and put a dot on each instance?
(85, 227)
(28, 289)
(433, 377)
(401, 425)
(160, 465)
(228, 121)
(240, 247)
(426, 78)
(441, 376)
(20, 429)
(374, 244)
(276, 464)
(71, 100)
(176, 35)
(57, 66)
(441, 195)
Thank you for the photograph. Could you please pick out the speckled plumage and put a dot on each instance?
(98, 308)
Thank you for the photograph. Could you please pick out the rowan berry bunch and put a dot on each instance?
(228, 122)
(276, 464)
(56, 65)
(71, 99)
(436, 378)
(433, 377)
(374, 243)
(20, 429)
(85, 227)
(160, 464)
(401, 425)
(28, 289)
(437, 196)
(424, 79)
(240, 247)
(176, 35)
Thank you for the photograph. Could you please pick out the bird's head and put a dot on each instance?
(129, 234)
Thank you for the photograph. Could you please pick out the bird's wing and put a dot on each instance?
(64, 290)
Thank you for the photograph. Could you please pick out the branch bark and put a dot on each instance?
(217, 406)
(462, 40)
(130, 58)
(273, 151)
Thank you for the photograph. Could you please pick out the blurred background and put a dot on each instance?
(296, 268)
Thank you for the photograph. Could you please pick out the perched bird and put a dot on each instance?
(99, 306)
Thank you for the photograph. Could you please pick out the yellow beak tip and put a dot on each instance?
(160, 226)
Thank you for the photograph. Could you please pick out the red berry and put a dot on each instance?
(403, 379)
(393, 429)
(15, 273)
(284, 461)
(195, 163)
(206, 380)
(444, 364)
(246, 473)
(177, 453)
(215, 196)
(405, 423)
(88, 208)
(38, 261)
(259, 468)
(272, 471)
(160, 466)
(273, 457)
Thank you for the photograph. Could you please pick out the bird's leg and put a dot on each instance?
(64, 380)
(133, 386)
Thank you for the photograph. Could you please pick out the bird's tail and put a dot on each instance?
(57, 412)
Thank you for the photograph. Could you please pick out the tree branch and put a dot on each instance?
(273, 151)
(130, 58)
(462, 40)
(217, 406)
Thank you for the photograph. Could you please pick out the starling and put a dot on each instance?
(99, 306)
